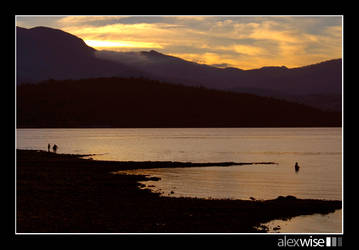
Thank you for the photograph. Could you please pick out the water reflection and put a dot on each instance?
(318, 223)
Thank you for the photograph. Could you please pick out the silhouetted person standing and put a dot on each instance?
(48, 147)
(296, 167)
(54, 148)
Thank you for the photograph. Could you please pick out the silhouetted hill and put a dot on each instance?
(321, 80)
(119, 102)
(324, 77)
(43, 53)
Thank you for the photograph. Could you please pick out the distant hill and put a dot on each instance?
(316, 85)
(45, 53)
(120, 102)
(321, 78)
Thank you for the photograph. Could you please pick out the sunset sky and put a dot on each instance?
(244, 42)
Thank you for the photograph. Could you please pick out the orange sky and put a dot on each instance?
(244, 42)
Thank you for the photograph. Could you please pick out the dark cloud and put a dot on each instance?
(33, 21)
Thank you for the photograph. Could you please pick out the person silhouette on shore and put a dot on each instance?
(48, 147)
(296, 167)
(54, 148)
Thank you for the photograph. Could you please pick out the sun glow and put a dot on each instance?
(119, 44)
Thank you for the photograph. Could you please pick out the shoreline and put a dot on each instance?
(63, 193)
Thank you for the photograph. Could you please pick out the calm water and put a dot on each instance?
(317, 150)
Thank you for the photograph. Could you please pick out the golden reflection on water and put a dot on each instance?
(318, 223)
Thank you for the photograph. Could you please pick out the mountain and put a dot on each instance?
(43, 53)
(135, 102)
(319, 84)
(303, 80)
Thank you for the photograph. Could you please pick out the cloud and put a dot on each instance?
(222, 65)
(88, 20)
(128, 57)
(211, 58)
(33, 21)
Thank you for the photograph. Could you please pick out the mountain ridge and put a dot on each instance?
(169, 68)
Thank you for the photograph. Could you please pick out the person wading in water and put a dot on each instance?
(54, 148)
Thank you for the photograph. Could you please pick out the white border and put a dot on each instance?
(342, 233)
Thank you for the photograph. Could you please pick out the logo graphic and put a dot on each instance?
(310, 242)
(334, 242)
